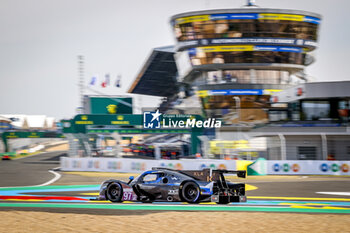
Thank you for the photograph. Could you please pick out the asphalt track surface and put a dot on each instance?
(29, 171)
(74, 193)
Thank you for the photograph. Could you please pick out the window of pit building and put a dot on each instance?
(252, 109)
(203, 58)
(226, 101)
(307, 153)
(315, 110)
(244, 76)
(344, 111)
(276, 116)
(230, 116)
(236, 28)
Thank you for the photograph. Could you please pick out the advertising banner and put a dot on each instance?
(108, 105)
(5, 126)
(257, 168)
(205, 93)
(140, 165)
(307, 167)
(246, 41)
(261, 16)
(235, 48)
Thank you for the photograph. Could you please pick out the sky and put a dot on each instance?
(41, 39)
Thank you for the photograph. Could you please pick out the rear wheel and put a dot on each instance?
(190, 192)
(114, 192)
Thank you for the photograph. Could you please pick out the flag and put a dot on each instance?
(93, 81)
(107, 81)
(117, 82)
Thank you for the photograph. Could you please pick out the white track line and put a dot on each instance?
(57, 177)
(335, 193)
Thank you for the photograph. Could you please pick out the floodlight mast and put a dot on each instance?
(81, 82)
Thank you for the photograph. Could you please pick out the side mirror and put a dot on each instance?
(165, 180)
(131, 178)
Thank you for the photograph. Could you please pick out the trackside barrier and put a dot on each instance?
(36, 148)
(307, 167)
(271, 167)
(243, 164)
(257, 168)
(140, 165)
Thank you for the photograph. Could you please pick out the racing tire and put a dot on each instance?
(114, 192)
(190, 192)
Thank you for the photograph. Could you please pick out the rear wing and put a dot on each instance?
(207, 174)
(240, 173)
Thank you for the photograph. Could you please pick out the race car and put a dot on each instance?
(163, 184)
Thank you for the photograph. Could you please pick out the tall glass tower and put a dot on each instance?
(249, 53)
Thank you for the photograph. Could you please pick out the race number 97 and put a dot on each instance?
(127, 196)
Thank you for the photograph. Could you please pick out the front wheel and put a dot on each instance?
(190, 192)
(114, 192)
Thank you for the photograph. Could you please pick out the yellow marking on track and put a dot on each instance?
(315, 204)
(300, 198)
(335, 208)
(90, 194)
(14, 199)
(305, 207)
(320, 208)
(100, 201)
(207, 203)
(249, 187)
(286, 203)
(126, 202)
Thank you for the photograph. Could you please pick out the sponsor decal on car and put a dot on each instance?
(173, 192)
(129, 195)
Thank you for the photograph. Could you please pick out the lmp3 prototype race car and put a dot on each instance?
(162, 184)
